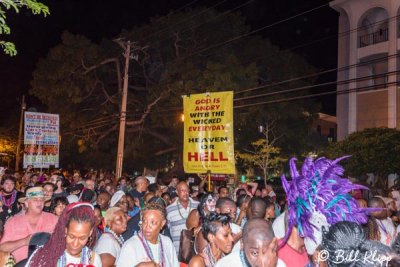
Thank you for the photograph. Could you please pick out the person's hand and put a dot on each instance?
(237, 237)
(270, 257)
(242, 213)
(202, 176)
(136, 201)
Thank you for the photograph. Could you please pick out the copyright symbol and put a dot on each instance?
(323, 255)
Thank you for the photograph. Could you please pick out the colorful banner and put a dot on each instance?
(41, 140)
(208, 133)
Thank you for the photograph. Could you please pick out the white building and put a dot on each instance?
(367, 61)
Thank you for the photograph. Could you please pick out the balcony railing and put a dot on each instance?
(373, 38)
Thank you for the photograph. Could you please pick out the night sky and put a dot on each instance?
(97, 19)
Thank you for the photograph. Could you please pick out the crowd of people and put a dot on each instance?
(93, 220)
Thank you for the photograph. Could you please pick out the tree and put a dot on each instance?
(7, 147)
(33, 5)
(263, 155)
(81, 80)
(374, 150)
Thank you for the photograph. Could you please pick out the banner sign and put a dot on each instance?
(41, 140)
(208, 133)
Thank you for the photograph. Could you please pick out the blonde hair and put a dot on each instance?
(109, 215)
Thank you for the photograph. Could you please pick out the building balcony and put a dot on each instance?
(373, 38)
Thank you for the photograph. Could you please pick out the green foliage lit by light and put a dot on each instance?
(264, 156)
(374, 150)
(8, 147)
(36, 8)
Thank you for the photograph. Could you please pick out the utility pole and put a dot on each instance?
(21, 122)
(121, 138)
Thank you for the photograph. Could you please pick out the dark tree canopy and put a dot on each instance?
(177, 54)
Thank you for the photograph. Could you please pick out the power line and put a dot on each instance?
(100, 121)
(104, 121)
(276, 23)
(321, 72)
(246, 34)
(347, 91)
(311, 75)
(249, 33)
(207, 21)
(184, 20)
(341, 34)
(343, 82)
(359, 89)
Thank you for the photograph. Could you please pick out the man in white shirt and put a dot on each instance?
(178, 212)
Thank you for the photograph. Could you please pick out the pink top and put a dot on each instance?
(18, 227)
(292, 257)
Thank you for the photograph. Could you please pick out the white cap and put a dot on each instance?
(72, 199)
(116, 197)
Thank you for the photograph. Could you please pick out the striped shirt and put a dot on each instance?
(177, 219)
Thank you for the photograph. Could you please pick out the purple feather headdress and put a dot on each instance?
(320, 190)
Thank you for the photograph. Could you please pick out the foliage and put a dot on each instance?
(171, 57)
(374, 150)
(264, 156)
(8, 147)
(34, 6)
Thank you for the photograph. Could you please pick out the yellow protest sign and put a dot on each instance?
(208, 133)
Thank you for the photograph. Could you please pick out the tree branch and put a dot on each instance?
(145, 113)
(164, 151)
(103, 135)
(104, 62)
(108, 97)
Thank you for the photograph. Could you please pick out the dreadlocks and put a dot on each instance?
(373, 230)
(48, 255)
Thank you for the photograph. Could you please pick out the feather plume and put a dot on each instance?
(320, 188)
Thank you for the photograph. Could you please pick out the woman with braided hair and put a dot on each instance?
(70, 243)
(346, 244)
(149, 248)
(379, 226)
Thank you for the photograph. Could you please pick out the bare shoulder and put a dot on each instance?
(197, 261)
(193, 220)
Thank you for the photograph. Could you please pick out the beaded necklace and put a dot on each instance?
(118, 238)
(179, 210)
(209, 260)
(8, 202)
(388, 240)
(84, 261)
(150, 253)
(244, 264)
